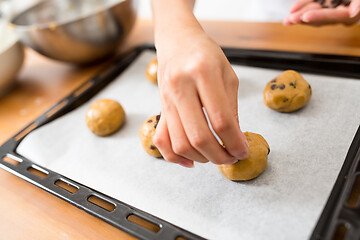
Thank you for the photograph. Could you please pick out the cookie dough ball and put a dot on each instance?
(253, 165)
(105, 116)
(151, 71)
(146, 133)
(288, 92)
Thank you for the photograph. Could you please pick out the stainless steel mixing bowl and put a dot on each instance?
(76, 31)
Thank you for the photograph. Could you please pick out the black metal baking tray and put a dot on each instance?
(340, 217)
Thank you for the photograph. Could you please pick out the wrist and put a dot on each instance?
(173, 19)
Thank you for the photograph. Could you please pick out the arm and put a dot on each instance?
(194, 73)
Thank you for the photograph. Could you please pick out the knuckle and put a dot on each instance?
(158, 141)
(221, 124)
(199, 67)
(174, 78)
(171, 158)
(199, 141)
(220, 161)
(234, 82)
(181, 148)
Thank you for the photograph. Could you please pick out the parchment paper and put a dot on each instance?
(308, 148)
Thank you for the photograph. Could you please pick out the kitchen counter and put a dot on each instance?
(29, 211)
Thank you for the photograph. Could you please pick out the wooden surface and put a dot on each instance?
(26, 212)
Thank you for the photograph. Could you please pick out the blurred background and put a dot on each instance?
(232, 10)
(94, 36)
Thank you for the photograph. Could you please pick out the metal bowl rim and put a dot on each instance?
(43, 26)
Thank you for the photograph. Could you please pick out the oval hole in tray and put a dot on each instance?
(358, 167)
(180, 238)
(37, 171)
(12, 160)
(25, 131)
(102, 203)
(82, 89)
(143, 223)
(354, 195)
(71, 188)
(56, 108)
(341, 231)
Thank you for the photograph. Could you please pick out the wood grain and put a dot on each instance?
(26, 211)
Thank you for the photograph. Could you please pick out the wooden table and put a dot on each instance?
(26, 212)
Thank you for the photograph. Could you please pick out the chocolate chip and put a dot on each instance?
(157, 120)
(149, 121)
(268, 151)
(335, 3)
(293, 84)
(282, 86)
(274, 80)
(273, 87)
(346, 2)
(152, 147)
(285, 99)
(320, 1)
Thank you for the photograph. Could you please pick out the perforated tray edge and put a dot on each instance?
(335, 65)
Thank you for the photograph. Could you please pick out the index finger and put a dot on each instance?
(218, 106)
(327, 16)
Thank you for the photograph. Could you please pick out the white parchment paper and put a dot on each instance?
(308, 148)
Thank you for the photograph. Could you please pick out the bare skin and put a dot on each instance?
(311, 13)
(193, 73)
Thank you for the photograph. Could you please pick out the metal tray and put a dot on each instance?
(340, 218)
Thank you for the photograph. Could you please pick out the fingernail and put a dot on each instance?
(286, 24)
(305, 19)
(292, 20)
(355, 12)
(235, 161)
(187, 164)
(243, 155)
(231, 161)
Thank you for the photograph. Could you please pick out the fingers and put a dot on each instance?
(354, 9)
(327, 16)
(179, 139)
(163, 143)
(298, 5)
(296, 17)
(221, 113)
(331, 16)
(311, 13)
(198, 131)
(231, 89)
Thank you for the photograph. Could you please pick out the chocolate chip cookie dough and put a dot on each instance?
(151, 71)
(288, 92)
(105, 116)
(253, 165)
(332, 3)
(146, 133)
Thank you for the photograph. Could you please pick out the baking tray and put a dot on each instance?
(340, 217)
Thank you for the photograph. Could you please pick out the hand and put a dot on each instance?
(193, 73)
(311, 13)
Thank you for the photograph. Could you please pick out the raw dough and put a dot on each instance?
(288, 92)
(105, 116)
(253, 165)
(146, 133)
(151, 71)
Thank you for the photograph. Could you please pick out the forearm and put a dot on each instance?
(170, 17)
